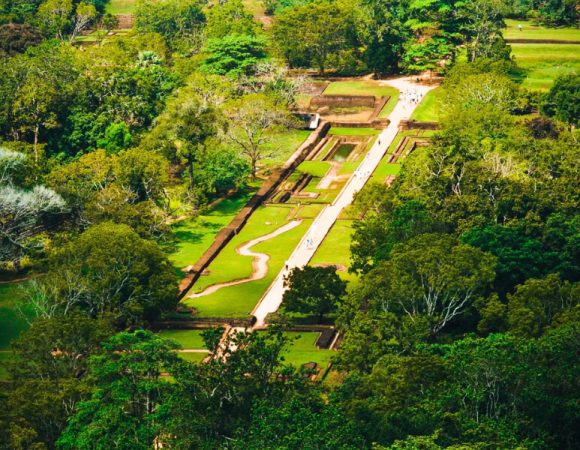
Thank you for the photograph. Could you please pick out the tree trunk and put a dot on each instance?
(35, 147)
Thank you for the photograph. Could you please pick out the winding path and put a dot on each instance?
(259, 264)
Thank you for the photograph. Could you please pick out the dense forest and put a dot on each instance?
(463, 328)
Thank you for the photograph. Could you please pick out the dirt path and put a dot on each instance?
(259, 264)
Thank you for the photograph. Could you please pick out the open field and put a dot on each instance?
(194, 236)
(543, 63)
(121, 6)
(239, 300)
(339, 131)
(531, 31)
(302, 349)
(11, 322)
(188, 339)
(282, 146)
(335, 249)
(359, 87)
(196, 357)
(428, 109)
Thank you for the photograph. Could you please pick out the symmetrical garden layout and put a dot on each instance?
(295, 225)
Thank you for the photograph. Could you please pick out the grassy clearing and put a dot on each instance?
(338, 131)
(229, 265)
(11, 321)
(335, 249)
(121, 7)
(428, 109)
(543, 63)
(302, 349)
(359, 87)
(196, 357)
(282, 146)
(192, 237)
(314, 168)
(388, 108)
(384, 170)
(189, 339)
(240, 300)
(531, 31)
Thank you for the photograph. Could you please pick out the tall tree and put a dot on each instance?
(253, 119)
(313, 290)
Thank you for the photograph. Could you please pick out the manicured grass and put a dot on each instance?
(531, 31)
(314, 168)
(335, 248)
(190, 339)
(338, 131)
(359, 87)
(121, 6)
(428, 109)
(282, 146)
(193, 357)
(384, 170)
(302, 349)
(229, 265)
(388, 108)
(543, 63)
(240, 300)
(192, 237)
(11, 321)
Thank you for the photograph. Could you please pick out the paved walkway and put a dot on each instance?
(310, 242)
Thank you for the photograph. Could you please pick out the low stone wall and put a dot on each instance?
(200, 323)
(125, 21)
(379, 107)
(415, 125)
(379, 124)
(342, 101)
(225, 235)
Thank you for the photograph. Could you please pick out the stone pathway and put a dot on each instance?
(310, 242)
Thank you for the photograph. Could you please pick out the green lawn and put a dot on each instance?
(282, 146)
(240, 300)
(192, 237)
(189, 339)
(314, 168)
(121, 7)
(428, 109)
(302, 349)
(196, 357)
(531, 31)
(11, 322)
(335, 248)
(542, 63)
(360, 87)
(388, 108)
(338, 131)
(229, 265)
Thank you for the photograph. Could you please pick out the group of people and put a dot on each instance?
(411, 97)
